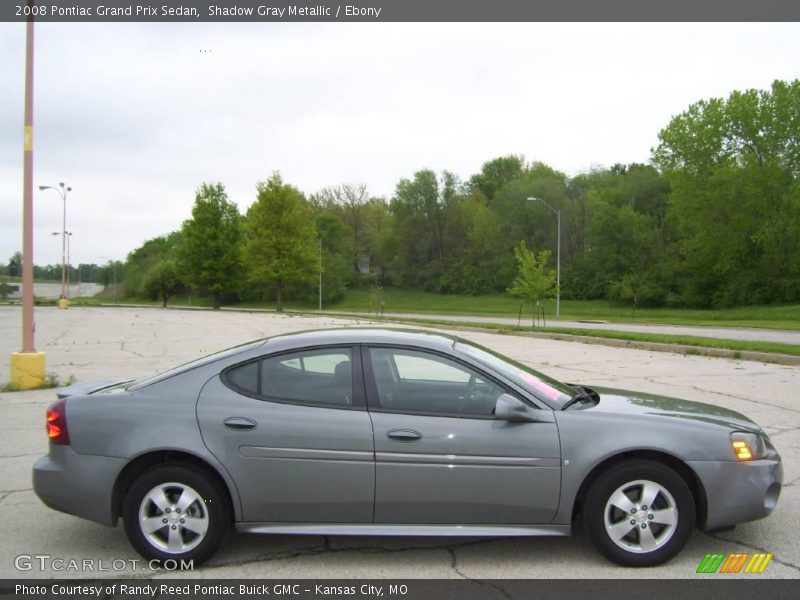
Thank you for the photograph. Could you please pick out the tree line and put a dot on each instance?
(712, 221)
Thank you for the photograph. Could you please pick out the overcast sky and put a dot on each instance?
(134, 116)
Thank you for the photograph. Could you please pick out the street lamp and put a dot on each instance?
(558, 255)
(62, 190)
(114, 268)
(68, 235)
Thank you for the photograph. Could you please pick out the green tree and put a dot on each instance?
(496, 173)
(534, 282)
(281, 245)
(733, 165)
(210, 249)
(420, 210)
(15, 265)
(163, 281)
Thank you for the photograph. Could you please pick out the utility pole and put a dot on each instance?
(28, 366)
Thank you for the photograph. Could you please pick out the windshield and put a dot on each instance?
(538, 384)
(194, 363)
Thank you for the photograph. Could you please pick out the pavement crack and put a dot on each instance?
(481, 582)
(20, 455)
(757, 548)
(6, 493)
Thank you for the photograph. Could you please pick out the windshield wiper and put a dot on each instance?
(583, 394)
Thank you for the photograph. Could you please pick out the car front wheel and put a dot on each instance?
(639, 513)
(174, 512)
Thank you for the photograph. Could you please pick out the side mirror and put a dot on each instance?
(509, 408)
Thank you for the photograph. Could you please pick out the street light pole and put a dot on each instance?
(67, 235)
(558, 254)
(63, 193)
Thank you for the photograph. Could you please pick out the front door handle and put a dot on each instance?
(404, 435)
(239, 423)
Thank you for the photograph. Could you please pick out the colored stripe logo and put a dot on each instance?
(737, 562)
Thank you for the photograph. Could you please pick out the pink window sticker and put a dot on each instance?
(540, 386)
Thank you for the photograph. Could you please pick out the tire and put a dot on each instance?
(176, 512)
(628, 531)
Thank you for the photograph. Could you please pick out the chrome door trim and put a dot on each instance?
(464, 459)
(305, 454)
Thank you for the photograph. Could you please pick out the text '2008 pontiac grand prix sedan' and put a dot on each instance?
(392, 432)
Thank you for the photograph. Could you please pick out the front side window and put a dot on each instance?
(538, 384)
(321, 377)
(422, 382)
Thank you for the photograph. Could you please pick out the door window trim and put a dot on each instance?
(356, 378)
(371, 387)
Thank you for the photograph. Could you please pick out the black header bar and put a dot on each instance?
(254, 11)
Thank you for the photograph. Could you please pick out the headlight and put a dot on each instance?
(747, 446)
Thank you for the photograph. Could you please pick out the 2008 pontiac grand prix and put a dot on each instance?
(392, 432)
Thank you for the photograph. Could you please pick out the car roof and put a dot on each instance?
(364, 335)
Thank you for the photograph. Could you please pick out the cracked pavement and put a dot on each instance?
(97, 343)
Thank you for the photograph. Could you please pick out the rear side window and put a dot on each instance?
(318, 377)
(245, 378)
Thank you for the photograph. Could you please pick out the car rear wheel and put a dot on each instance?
(640, 513)
(174, 512)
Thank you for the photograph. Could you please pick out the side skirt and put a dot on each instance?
(404, 530)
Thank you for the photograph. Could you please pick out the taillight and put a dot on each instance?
(57, 423)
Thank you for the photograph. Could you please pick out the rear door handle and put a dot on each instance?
(404, 435)
(239, 423)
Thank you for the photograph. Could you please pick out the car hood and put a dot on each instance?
(625, 401)
(89, 387)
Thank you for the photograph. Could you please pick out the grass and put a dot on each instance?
(773, 317)
(503, 305)
(51, 380)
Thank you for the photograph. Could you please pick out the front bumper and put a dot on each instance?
(737, 492)
(77, 484)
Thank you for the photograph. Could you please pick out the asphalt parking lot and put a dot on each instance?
(93, 343)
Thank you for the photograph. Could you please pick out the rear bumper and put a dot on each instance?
(77, 484)
(737, 492)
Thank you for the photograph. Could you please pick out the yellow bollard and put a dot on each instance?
(27, 370)
(63, 303)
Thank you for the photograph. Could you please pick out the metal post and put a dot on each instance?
(64, 243)
(67, 236)
(320, 274)
(27, 199)
(558, 254)
(558, 269)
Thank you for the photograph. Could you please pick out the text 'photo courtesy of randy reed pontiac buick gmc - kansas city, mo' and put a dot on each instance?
(396, 432)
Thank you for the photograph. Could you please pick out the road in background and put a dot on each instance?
(783, 336)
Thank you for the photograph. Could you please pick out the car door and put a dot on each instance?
(294, 433)
(442, 457)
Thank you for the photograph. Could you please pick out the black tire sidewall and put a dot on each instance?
(629, 471)
(213, 498)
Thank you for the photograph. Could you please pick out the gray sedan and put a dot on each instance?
(391, 432)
